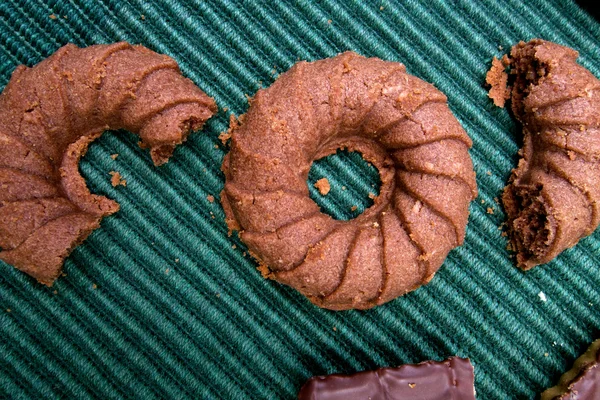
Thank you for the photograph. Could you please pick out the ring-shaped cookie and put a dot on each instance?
(402, 126)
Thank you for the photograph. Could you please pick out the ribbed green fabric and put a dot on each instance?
(353, 182)
(161, 303)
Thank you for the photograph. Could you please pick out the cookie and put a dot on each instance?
(403, 127)
(50, 113)
(452, 379)
(582, 381)
(552, 196)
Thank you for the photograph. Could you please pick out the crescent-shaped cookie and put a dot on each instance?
(50, 113)
(552, 196)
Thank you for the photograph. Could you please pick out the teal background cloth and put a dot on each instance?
(160, 303)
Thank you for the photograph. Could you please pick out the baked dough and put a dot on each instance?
(50, 113)
(402, 126)
(552, 196)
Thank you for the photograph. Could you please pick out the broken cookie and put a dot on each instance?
(552, 196)
(50, 113)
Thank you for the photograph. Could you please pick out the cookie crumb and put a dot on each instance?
(423, 257)
(265, 271)
(94, 286)
(323, 186)
(224, 137)
(167, 270)
(497, 79)
(416, 208)
(52, 16)
(412, 385)
(117, 179)
(353, 208)
(372, 196)
(8, 310)
(210, 198)
(334, 329)
(114, 156)
(177, 260)
(329, 21)
(143, 17)
(490, 210)
(233, 246)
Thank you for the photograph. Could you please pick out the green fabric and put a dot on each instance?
(352, 181)
(160, 303)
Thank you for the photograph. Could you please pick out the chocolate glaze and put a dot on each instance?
(50, 113)
(452, 379)
(402, 126)
(582, 382)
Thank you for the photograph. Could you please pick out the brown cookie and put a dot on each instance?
(582, 381)
(452, 379)
(400, 124)
(50, 113)
(552, 196)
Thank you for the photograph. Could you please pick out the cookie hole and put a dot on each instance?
(353, 184)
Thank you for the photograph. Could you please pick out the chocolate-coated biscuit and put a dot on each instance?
(452, 379)
(402, 126)
(580, 382)
(552, 196)
(50, 113)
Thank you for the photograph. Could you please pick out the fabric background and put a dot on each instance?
(161, 303)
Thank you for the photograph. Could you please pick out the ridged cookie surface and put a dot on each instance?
(400, 124)
(51, 112)
(552, 196)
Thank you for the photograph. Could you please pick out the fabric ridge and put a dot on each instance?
(161, 302)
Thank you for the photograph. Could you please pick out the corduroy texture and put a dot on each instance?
(161, 303)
